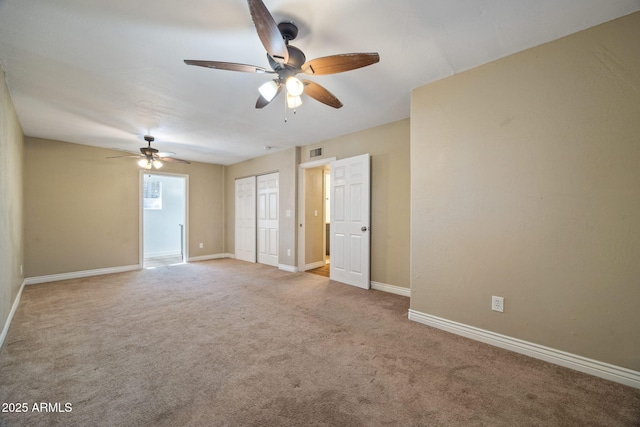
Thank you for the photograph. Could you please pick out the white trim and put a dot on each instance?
(589, 366)
(14, 307)
(208, 257)
(316, 163)
(162, 254)
(289, 268)
(78, 274)
(398, 290)
(314, 265)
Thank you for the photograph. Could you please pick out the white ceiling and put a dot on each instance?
(107, 72)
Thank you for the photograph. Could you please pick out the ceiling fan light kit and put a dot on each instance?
(148, 164)
(269, 90)
(286, 61)
(293, 101)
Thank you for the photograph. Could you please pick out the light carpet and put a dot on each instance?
(229, 343)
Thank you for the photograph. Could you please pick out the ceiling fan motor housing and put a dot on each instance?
(292, 67)
(148, 151)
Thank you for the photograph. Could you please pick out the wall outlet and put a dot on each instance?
(201, 245)
(21, 269)
(497, 304)
(288, 252)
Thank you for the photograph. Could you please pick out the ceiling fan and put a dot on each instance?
(286, 61)
(152, 158)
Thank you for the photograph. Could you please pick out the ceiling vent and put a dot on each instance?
(315, 152)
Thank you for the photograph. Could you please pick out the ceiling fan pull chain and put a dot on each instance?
(285, 109)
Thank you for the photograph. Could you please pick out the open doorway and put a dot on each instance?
(316, 254)
(349, 220)
(164, 202)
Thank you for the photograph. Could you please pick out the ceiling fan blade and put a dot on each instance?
(263, 102)
(230, 66)
(321, 94)
(339, 63)
(174, 160)
(121, 157)
(164, 154)
(268, 31)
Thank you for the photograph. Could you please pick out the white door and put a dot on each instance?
(268, 219)
(350, 234)
(246, 219)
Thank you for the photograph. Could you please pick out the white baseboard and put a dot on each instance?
(405, 292)
(79, 274)
(589, 366)
(208, 257)
(14, 307)
(314, 265)
(289, 268)
(161, 254)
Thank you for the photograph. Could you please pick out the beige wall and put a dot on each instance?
(82, 210)
(390, 184)
(285, 163)
(525, 183)
(11, 203)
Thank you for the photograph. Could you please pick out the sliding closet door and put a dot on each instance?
(268, 214)
(246, 219)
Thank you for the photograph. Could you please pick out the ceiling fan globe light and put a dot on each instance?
(157, 164)
(142, 163)
(293, 101)
(294, 86)
(269, 90)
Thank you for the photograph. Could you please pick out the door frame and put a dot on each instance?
(301, 200)
(141, 175)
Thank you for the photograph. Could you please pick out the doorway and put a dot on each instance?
(317, 220)
(164, 205)
(349, 187)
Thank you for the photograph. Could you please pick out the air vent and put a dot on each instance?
(315, 152)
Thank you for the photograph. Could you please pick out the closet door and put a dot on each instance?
(268, 215)
(246, 219)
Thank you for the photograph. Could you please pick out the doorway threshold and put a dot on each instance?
(165, 261)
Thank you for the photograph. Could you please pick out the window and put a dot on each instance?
(152, 195)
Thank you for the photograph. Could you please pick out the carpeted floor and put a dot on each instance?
(228, 343)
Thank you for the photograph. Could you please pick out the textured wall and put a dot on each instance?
(525, 183)
(11, 203)
(82, 210)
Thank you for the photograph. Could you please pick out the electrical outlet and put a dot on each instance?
(201, 245)
(497, 304)
(288, 252)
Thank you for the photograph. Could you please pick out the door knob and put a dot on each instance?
(364, 228)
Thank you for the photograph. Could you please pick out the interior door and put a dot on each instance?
(350, 221)
(246, 219)
(268, 214)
